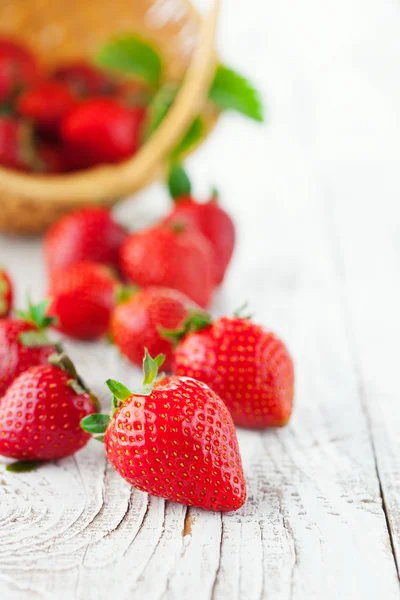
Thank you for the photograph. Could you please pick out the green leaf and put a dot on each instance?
(132, 56)
(125, 293)
(240, 312)
(195, 321)
(232, 91)
(118, 389)
(96, 423)
(36, 314)
(24, 466)
(150, 367)
(192, 137)
(159, 107)
(178, 182)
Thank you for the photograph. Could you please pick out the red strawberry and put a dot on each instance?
(209, 218)
(84, 79)
(23, 343)
(250, 369)
(41, 411)
(6, 294)
(51, 159)
(46, 105)
(18, 68)
(84, 234)
(169, 256)
(136, 323)
(16, 144)
(174, 438)
(102, 131)
(83, 297)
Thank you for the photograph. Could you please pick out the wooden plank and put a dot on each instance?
(370, 269)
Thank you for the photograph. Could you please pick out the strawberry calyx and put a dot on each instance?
(179, 185)
(63, 362)
(240, 312)
(195, 321)
(97, 424)
(37, 315)
(125, 292)
(24, 466)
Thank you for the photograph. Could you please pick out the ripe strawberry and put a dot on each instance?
(83, 297)
(50, 159)
(16, 145)
(170, 256)
(84, 79)
(6, 294)
(84, 234)
(250, 369)
(46, 105)
(136, 323)
(18, 68)
(209, 218)
(101, 131)
(41, 411)
(23, 343)
(175, 439)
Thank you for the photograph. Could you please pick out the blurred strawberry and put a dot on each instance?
(137, 322)
(169, 256)
(46, 105)
(208, 217)
(16, 144)
(84, 79)
(101, 131)
(85, 234)
(18, 68)
(83, 297)
(24, 343)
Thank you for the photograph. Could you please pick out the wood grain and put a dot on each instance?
(315, 195)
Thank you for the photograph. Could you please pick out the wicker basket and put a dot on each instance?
(66, 29)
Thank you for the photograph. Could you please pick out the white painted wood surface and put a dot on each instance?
(316, 196)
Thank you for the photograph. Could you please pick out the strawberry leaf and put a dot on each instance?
(132, 56)
(232, 91)
(240, 312)
(24, 466)
(178, 182)
(159, 107)
(150, 367)
(118, 389)
(36, 314)
(196, 321)
(192, 137)
(96, 423)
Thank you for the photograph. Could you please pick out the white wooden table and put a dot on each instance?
(316, 198)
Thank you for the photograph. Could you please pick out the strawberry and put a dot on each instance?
(41, 411)
(209, 218)
(101, 131)
(136, 323)
(51, 159)
(6, 294)
(83, 297)
(173, 438)
(16, 144)
(23, 343)
(170, 256)
(18, 68)
(84, 79)
(46, 105)
(249, 367)
(84, 234)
